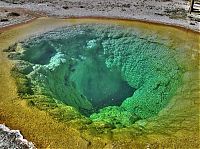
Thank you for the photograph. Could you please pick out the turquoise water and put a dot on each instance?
(101, 86)
(109, 73)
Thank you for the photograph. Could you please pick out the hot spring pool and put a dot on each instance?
(106, 72)
(108, 81)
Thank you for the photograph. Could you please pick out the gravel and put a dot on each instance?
(173, 12)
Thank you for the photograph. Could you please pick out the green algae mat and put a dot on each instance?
(97, 83)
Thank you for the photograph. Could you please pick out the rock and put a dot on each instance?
(4, 20)
(65, 7)
(13, 139)
(14, 14)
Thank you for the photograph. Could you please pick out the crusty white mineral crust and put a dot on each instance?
(13, 139)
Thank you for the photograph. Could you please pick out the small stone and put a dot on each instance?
(4, 20)
(14, 14)
(65, 7)
(191, 23)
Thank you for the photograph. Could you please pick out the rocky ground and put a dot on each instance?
(163, 11)
(12, 139)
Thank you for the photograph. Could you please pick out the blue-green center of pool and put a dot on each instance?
(108, 73)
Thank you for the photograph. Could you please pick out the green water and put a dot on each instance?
(109, 73)
(101, 86)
